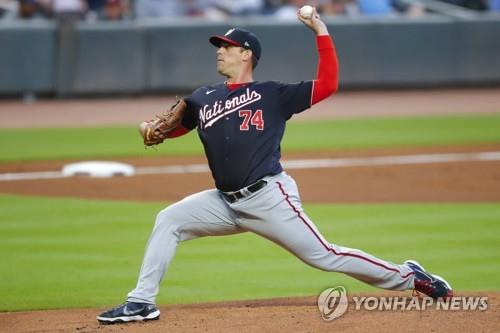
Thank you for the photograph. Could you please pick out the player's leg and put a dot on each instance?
(277, 214)
(202, 214)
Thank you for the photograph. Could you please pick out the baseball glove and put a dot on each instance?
(155, 131)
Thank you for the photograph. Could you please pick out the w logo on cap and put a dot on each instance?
(230, 31)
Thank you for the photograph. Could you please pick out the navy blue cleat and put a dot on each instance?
(431, 285)
(129, 311)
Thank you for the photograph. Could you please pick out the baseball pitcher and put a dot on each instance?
(241, 123)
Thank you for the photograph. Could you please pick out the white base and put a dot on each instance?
(98, 169)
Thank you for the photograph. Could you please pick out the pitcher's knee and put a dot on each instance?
(168, 218)
(324, 266)
(318, 263)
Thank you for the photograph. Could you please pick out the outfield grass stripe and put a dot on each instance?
(79, 143)
(292, 164)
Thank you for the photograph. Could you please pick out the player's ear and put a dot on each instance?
(247, 54)
(250, 58)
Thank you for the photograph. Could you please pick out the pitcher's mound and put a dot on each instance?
(273, 315)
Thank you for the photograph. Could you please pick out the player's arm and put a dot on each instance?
(327, 77)
(188, 122)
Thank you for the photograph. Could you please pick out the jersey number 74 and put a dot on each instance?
(251, 118)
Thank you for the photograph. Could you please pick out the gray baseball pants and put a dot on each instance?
(274, 212)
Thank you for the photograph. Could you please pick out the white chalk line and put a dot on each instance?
(292, 164)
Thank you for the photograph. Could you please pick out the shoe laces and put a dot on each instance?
(119, 306)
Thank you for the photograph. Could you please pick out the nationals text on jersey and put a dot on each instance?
(209, 115)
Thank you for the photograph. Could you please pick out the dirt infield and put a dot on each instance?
(477, 181)
(276, 315)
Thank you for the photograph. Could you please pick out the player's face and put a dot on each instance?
(230, 59)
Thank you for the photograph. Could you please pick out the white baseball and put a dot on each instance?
(306, 11)
(143, 127)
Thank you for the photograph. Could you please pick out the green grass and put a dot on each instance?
(59, 253)
(79, 143)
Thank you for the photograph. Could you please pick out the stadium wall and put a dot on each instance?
(168, 56)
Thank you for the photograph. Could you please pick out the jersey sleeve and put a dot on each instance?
(295, 97)
(190, 119)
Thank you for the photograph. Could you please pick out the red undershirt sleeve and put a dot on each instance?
(327, 79)
(178, 131)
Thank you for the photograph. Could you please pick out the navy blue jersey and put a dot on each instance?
(241, 129)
